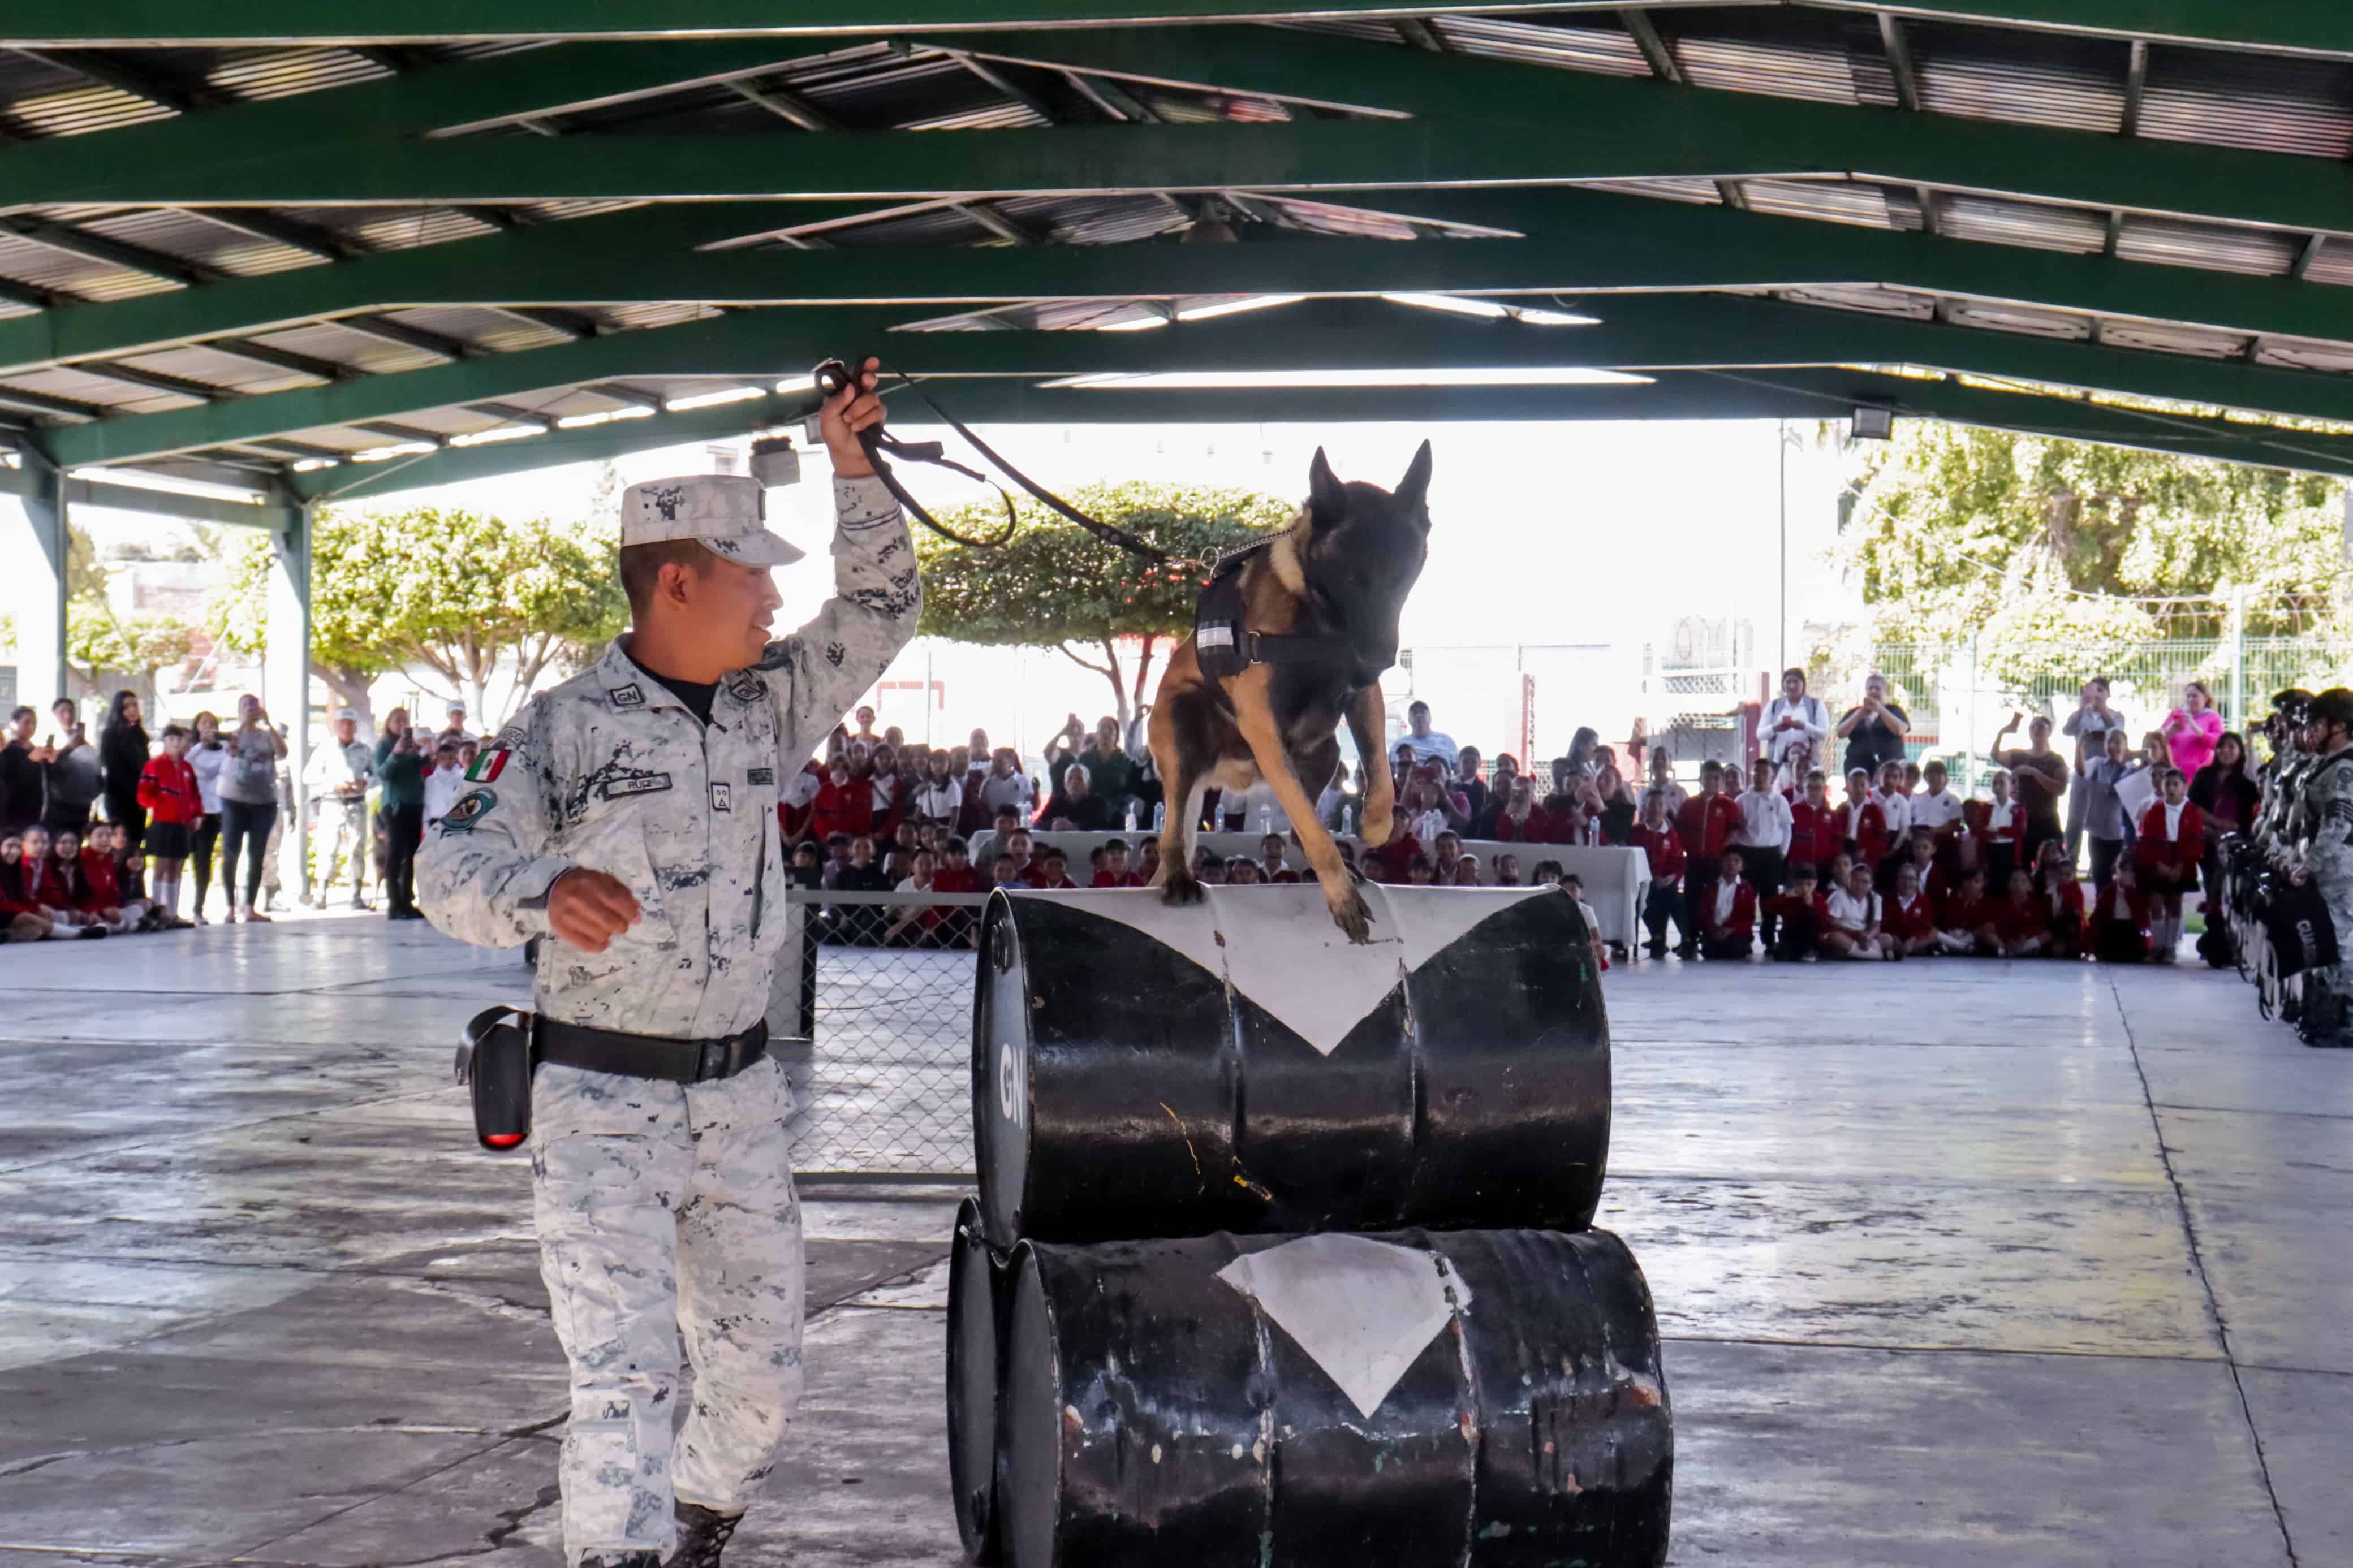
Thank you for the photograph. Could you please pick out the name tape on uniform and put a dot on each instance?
(644, 784)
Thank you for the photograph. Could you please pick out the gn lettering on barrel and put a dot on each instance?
(1012, 1098)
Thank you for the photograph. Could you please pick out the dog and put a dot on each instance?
(1322, 602)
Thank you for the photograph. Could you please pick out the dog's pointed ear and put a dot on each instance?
(1414, 488)
(1326, 498)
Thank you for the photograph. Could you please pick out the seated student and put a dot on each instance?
(2171, 841)
(1909, 913)
(1919, 852)
(1111, 871)
(2062, 901)
(1508, 870)
(22, 919)
(2021, 925)
(804, 871)
(1862, 824)
(1706, 822)
(1446, 849)
(1545, 875)
(1466, 871)
(1574, 888)
(899, 854)
(1209, 866)
(1663, 847)
(1024, 850)
(1271, 864)
(1836, 874)
(1148, 865)
(1728, 911)
(1853, 929)
(913, 926)
(1423, 873)
(102, 876)
(1053, 872)
(1964, 919)
(1095, 865)
(1803, 916)
(2120, 918)
(1007, 873)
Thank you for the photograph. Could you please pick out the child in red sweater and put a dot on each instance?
(2120, 918)
(1802, 913)
(2062, 901)
(1705, 824)
(1728, 911)
(1965, 921)
(1113, 872)
(167, 788)
(1663, 847)
(1813, 826)
(2022, 922)
(1862, 824)
(2166, 856)
(1908, 915)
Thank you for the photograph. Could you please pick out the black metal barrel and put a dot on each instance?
(980, 1295)
(1153, 1414)
(1140, 1070)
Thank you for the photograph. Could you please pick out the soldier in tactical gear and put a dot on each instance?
(2325, 858)
(630, 815)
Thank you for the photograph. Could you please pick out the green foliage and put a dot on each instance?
(452, 591)
(1960, 531)
(138, 644)
(1053, 582)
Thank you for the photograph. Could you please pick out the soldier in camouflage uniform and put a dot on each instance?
(631, 815)
(2325, 859)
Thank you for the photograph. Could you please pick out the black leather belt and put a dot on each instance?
(647, 1056)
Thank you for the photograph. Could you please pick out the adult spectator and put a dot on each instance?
(399, 763)
(1429, 745)
(865, 717)
(249, 792)
(338, 777)
(1795, 718)
(1519, 821)
(2227, 795)
(454, 731)
(1874, 730)
(20, 774)
(1763, 838)
(2103, 814)
(123, 751)
(1111, 773)
(1662, 779)
(1583, 763)
(209, 758)
(1077, 806)
(2193, 731)
(2038, 774)
(1618, 812)
(2087, 726)
(73, 778)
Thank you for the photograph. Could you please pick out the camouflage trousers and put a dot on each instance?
(667, 1211)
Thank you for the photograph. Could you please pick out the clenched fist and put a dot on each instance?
(589, 908)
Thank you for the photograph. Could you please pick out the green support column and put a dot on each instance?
(33, 538)
(286, 672)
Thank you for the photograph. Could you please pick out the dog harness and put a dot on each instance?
(1225, 646)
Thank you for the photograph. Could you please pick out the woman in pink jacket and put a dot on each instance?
(2192, 729)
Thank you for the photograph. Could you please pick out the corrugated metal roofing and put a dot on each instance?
(2269, 104)
(2043, 226)
(2076, 84)
(1604, 51)
(2215, 246)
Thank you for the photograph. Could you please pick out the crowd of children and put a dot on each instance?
(1902, 867)
(72, 885)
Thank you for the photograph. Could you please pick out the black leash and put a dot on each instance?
(833, 377)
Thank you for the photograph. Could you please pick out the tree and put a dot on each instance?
(2022, 539)
(1053, 585)
(100, 638)
(455, 592)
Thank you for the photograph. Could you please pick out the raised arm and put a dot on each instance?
(878, 597)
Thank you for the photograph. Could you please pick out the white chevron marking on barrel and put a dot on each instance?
(1362, 1309)
(1283, 952)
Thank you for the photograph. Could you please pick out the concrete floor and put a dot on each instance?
(1960, 1263)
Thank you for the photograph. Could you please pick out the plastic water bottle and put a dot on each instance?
(1159, 814)
(1131, 815)
(1265, 819)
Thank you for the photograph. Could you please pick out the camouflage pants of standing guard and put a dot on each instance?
(2326, 1016)
(667, 1211)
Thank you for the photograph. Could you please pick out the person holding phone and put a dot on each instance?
(73, 778)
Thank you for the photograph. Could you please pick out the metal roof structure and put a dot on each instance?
(310, 249)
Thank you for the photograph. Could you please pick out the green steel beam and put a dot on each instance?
(1638, 332)
(414, 103)
(2306, 24)
(1622, 130)
(1623, 123)
(1782, 395)
(649, 238)
(22, 481)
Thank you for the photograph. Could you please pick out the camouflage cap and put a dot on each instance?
(726, 513)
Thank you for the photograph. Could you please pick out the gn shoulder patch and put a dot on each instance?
(471, 808)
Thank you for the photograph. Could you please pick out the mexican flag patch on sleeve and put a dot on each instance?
(487, 767)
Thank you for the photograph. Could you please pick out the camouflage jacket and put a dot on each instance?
(609, 771)
(2327, 819)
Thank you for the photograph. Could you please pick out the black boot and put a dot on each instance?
(702, 1536)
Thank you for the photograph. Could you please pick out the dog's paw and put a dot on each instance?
(1349, 911)
(1181, 888)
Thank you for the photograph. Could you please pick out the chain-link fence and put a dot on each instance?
(872, 1023)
